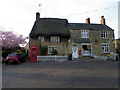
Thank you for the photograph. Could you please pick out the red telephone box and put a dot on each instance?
(33, 53)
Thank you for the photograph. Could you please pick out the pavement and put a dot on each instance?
(81, 73)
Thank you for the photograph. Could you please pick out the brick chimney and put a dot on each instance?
(37, 15)
(102, 20)
(88, 21)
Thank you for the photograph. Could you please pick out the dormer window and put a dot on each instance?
(55, 39)
(41, 38)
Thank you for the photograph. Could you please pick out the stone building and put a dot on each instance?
(79, 39)
(117, 45)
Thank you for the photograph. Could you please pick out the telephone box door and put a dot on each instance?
(34, 53)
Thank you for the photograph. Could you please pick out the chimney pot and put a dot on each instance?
(102, 20)
(37, 15)
(88, 21)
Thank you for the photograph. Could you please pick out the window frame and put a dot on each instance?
(84, 33)
(104, 34)
(55, 39)
(55, 48)
(105, 46)
(41, 38)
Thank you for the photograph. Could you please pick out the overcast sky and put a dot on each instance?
(19, 15)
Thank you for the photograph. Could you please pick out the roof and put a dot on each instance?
(78, 26)
(60, 27)
(118, 39)
(50, 27)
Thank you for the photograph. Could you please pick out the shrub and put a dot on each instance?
(5, 52)
(43, 49)
(54, 52)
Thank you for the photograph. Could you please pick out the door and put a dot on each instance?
(86, 49)
(75, 52)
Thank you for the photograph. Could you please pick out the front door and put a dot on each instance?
(75, 52)
(86, 49)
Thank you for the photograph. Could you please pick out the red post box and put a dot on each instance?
(80, 52)
(33, 53)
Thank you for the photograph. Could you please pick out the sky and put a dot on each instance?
(20, 15)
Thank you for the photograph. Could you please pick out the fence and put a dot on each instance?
(52, 58)
(104, 58)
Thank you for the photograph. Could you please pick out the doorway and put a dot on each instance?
(75, 52)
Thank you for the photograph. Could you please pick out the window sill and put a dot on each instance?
(85, 37)
(106, 53)
(105, 38)
(56, 42)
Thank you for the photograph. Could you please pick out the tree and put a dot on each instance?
(11, 40)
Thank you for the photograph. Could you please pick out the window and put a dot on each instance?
(105, 48)
(51, 48)
(55, 38)
(41, 38)
(104, 34)
(12, 55)
(85, 33)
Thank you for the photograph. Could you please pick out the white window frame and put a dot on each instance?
(41, 38)
(85, 33)
(104, 34)
(55, 39)
(105, 48)
(51, 48)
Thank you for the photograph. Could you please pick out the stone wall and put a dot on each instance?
(63, 45)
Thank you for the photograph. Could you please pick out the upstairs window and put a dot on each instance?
(104, 34)
(85, 33)
(41, 38)
(55, 39)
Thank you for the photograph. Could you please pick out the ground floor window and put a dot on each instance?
(105, 48)
(51, 48)
(86, 49)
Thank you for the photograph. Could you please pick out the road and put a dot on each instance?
(66, 74)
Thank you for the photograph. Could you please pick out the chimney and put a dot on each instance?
(88, 21)
(102, 20)
(37, 16)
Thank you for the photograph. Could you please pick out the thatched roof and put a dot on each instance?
(50, 27)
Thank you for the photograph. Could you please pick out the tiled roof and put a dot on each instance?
(78, 26)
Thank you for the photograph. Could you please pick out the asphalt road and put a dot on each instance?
(67, 74)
